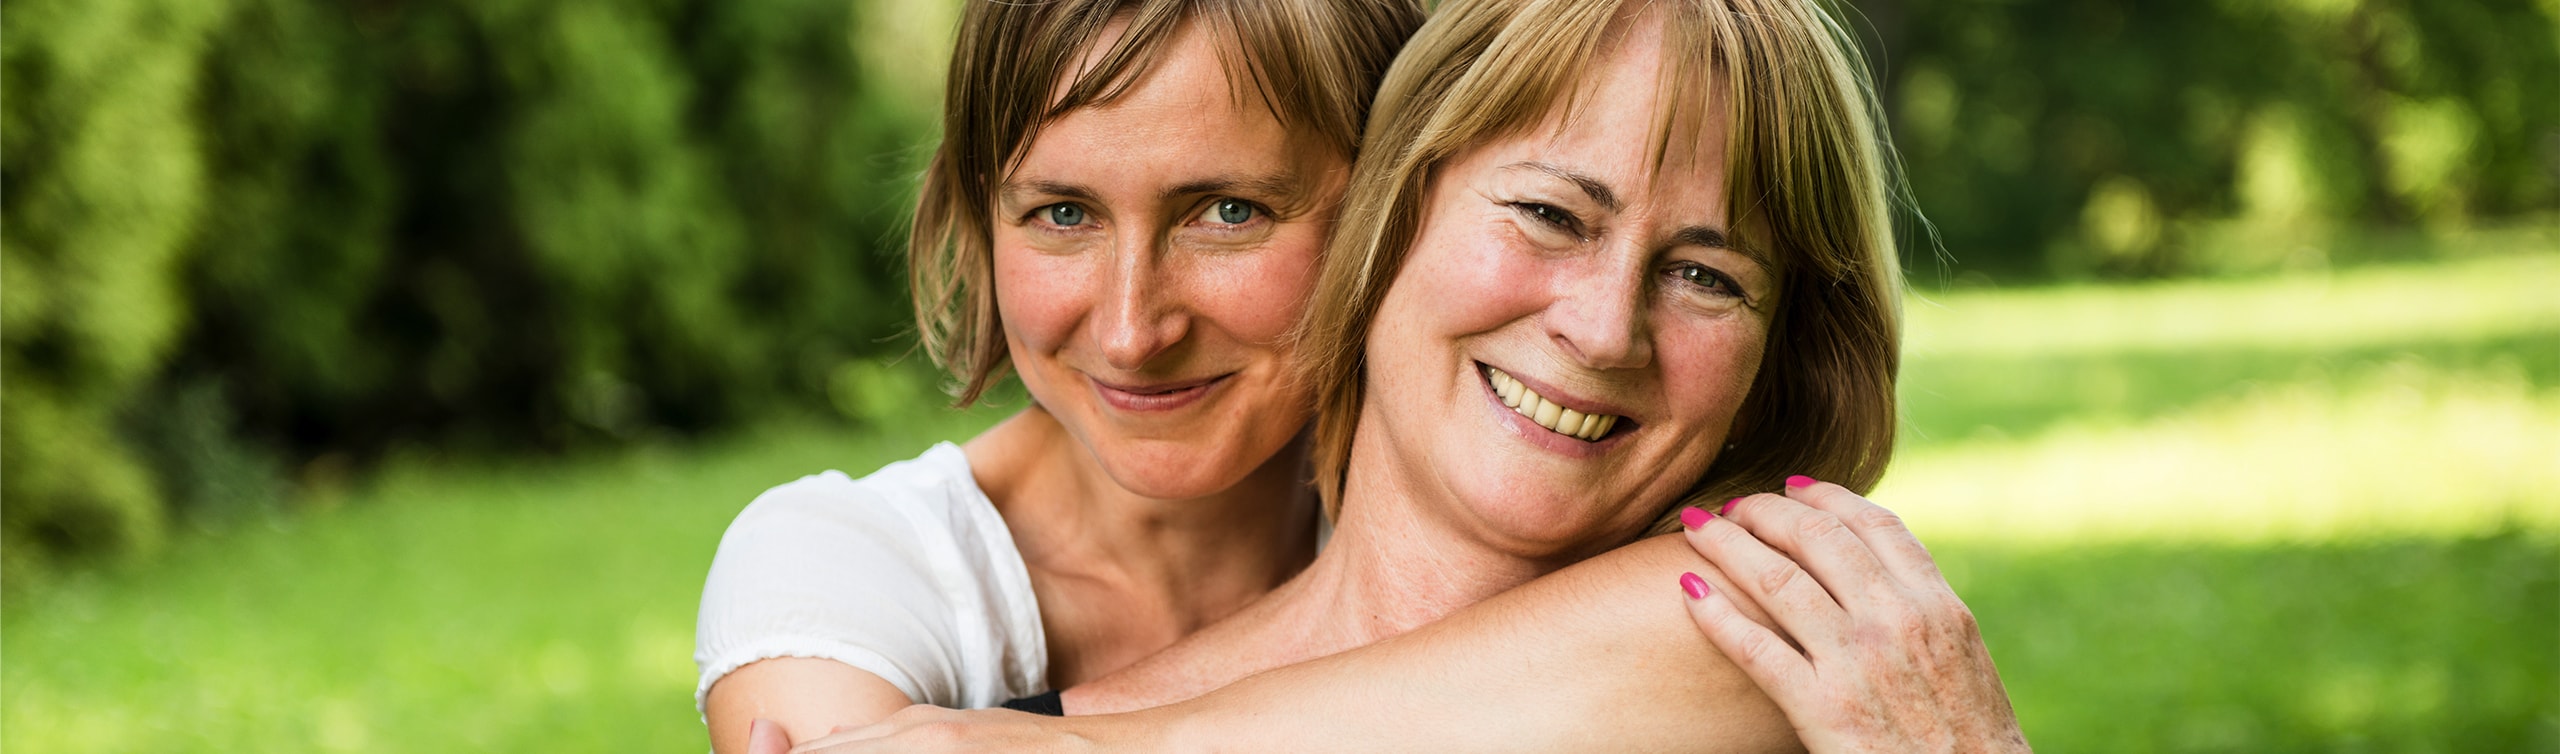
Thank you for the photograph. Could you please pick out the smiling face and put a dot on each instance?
(1150, 255)
(1565, 348)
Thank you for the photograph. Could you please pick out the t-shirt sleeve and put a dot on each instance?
(825, 568)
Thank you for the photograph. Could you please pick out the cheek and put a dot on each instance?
(1256, 297)
(1709, 368)
(1039, 297)
(1467, 282)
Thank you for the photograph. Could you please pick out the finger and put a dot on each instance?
(1798, 604)
(1820, 542)
(1884, 532)
(1782, 672)
(766, 737)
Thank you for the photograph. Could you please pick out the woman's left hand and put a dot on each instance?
(925, 727)
(1878, 654)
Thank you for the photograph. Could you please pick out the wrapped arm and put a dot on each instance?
(1601, 656)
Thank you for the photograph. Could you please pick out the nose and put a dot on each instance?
(1598, 313)
(1140, 315)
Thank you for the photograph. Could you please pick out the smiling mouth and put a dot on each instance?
(1557, 419)
(1157, 397)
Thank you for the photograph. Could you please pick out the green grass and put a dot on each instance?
(519, 608)
(2259, 523)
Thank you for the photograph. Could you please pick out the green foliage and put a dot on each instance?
(279, 230)
(106, 185)
(2145, 139)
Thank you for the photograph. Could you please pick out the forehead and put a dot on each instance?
(1185, 98)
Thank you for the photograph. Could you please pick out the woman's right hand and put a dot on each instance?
(1878, 653)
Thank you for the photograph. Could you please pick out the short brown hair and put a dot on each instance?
(1807, 167)
(1314, 64)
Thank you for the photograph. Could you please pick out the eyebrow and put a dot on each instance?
(1282, 188)
(1593, 187)
(1707, 236)
(1712, 237)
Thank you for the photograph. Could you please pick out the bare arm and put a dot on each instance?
(808, 697)
(1602, 656)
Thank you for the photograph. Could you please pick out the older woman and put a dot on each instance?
(1602, 257)
(1125, 211)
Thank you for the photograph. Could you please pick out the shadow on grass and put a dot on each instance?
(1955, 400)
(2424, 645)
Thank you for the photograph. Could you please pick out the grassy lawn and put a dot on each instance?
(2283, 515)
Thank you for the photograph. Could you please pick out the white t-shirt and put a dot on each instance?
(908, 574)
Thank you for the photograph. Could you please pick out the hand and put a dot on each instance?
(1878, 653)
(925, 727)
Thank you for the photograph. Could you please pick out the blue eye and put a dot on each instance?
(1231, 211)
(1064, 214)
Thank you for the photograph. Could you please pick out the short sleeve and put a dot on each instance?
(907, 574)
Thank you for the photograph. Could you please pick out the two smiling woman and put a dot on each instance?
(1599, 263)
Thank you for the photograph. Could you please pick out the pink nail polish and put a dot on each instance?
(1696, 587)
(1693, 517)
(1799, 480)
(1728, 507)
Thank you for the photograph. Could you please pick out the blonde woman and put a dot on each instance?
(1125, 211)
(1601, 258)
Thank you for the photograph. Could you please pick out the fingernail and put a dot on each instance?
(1799, 480)
(1693, 517)
(1728, 506)
(1696, 587)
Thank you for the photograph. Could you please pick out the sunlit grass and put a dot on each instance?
(2369, 403)
(2408, 450)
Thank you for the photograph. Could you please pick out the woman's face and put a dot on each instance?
(1557, 276)
(1150, 254)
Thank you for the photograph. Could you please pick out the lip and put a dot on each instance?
(1543, 437)
(1156, 397)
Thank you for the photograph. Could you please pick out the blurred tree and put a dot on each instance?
(264, 229)
(2109, 139)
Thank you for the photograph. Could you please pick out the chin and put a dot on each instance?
(1538, 518)
(1177, 469)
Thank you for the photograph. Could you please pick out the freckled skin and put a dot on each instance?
(1150, 286)
(1602, 307)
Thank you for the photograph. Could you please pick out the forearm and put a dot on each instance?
(1602, 656)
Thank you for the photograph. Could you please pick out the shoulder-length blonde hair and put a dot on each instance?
(1313, 63)
(1807, 167)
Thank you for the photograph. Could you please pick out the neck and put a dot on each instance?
(1395, 563)
(1168, 566)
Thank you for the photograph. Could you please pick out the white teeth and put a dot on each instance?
(1546, 413)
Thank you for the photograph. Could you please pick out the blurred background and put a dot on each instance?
(379, 376)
